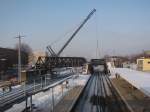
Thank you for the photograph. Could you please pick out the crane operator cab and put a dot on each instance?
(99, 65)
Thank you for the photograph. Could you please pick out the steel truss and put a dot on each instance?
(48, 63)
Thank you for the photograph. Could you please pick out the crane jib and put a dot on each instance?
(77, 30)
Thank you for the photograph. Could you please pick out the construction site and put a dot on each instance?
(55, 82)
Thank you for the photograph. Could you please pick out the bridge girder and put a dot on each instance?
(48, 63)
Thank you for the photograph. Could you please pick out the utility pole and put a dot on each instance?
(19, 57)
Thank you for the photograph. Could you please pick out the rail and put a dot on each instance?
(9, 99)
(100, 96)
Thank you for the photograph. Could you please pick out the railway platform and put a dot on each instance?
(98, 95)
(67, 102)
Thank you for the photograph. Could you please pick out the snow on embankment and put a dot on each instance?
(43, 100)
(82, 80)
(140, 80)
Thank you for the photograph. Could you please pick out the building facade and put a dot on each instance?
(9, 62)
(143, 64)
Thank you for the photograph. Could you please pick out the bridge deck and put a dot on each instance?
(18, 96)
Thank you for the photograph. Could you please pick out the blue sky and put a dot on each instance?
(121, 26)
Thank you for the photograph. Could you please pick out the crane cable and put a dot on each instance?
(59, 38)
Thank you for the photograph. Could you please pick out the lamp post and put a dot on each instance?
(19, 57)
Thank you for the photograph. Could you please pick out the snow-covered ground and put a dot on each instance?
(43, 100)
(140, 80)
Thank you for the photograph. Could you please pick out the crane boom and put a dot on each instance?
(76, 31)
(51, 51)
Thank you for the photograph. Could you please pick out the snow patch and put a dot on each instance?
(139, 79)
(43, 100)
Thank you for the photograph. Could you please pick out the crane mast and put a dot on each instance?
(76, 31)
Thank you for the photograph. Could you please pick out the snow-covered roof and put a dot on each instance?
(140, 80)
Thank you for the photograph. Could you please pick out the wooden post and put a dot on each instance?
(62, 89)
(53, 103)
(41, 83)
(31, 103)
(26, 103)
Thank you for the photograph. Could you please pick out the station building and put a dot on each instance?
(143, 64)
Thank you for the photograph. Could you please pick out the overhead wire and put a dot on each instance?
(61, 37)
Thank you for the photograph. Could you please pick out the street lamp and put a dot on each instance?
(19, 57)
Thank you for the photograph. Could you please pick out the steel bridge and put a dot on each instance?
(48, 63)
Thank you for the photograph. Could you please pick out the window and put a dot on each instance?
(140, 62)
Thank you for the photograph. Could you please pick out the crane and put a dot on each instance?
(76, 31)
(54, 59)
(51, 51)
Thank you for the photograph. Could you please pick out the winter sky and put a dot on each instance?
(121, 26)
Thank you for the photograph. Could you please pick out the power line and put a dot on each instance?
(59, 38)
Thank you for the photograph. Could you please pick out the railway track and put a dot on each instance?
(100, 96)
(9, 99)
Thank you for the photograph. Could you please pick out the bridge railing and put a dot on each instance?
(26, 91)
